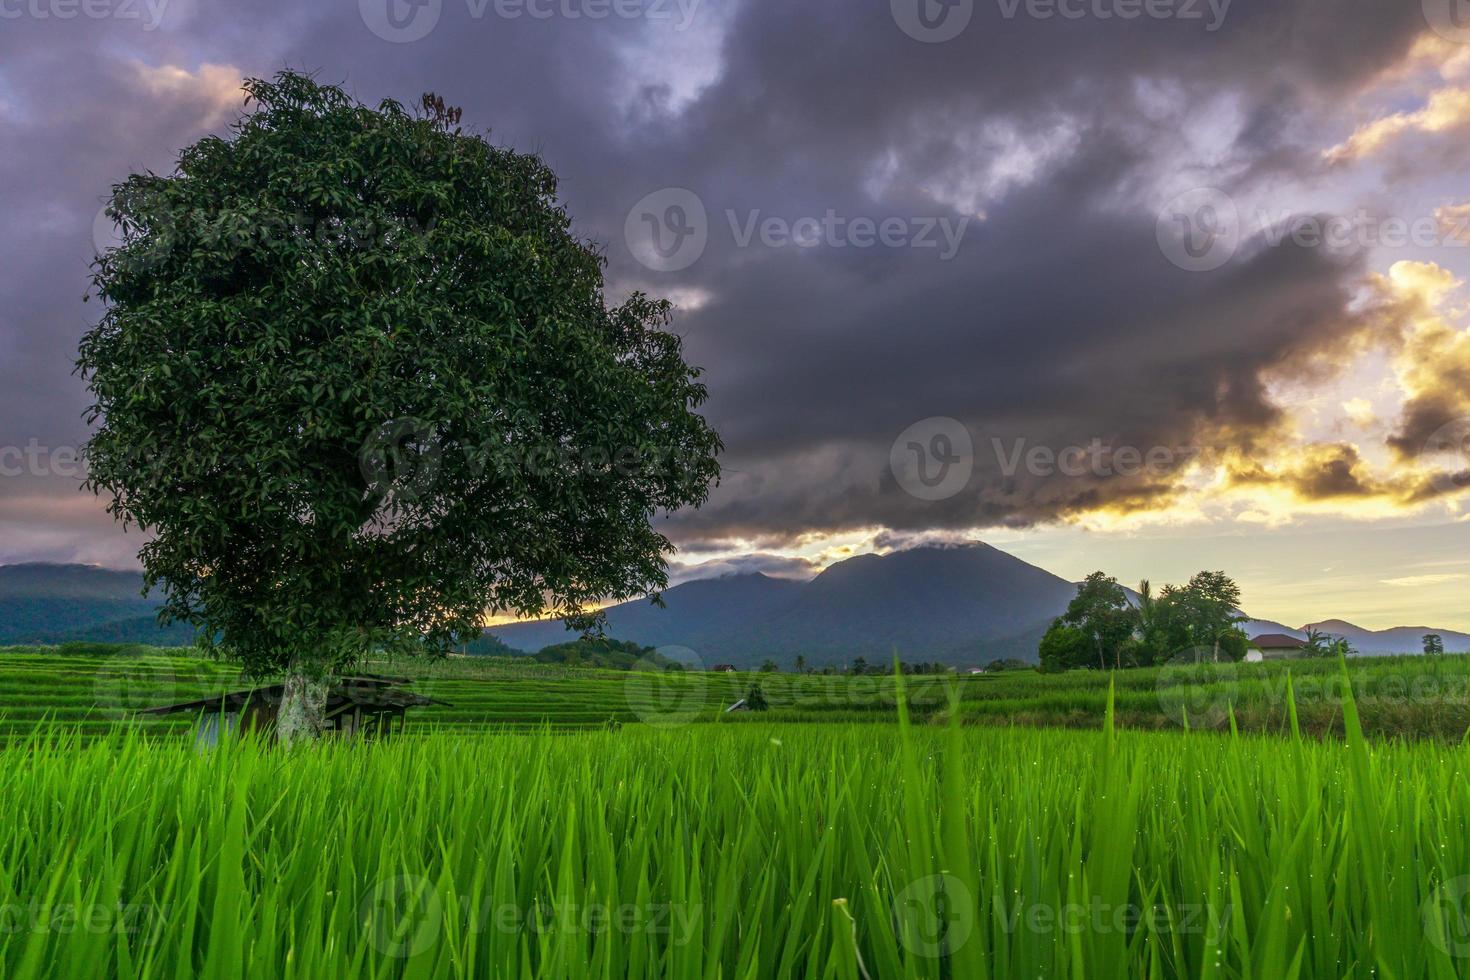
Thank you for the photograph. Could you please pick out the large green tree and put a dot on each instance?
(1205, 613)
(1065, 647)
(1100, 609)
(360, 382)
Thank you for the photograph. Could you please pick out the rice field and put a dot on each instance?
(571, 823)
(93, 688)
(752, 850)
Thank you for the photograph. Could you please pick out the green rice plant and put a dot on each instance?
(1414, 697)
(756, 849)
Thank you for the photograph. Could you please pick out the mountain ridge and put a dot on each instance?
(962, 604)
(48, 603)
(958, 603)
(816, 626)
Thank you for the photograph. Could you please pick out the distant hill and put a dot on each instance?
(1373, 643)
(963, 605)
(1399, 639)
(608, 654)
(967, 604)
(700, 615)
(45, 603)
(1258, 627)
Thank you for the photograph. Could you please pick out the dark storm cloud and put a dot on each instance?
(1430, 416)
(1326, 473)
(77, 113)
(775, 566)
(1057, 319)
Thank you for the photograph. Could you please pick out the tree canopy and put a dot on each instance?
(1066, 647)
(605, 653)
(1103, 627)
(359, 381)
(1100, 610)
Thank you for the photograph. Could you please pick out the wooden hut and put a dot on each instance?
(365, 705)
(1278, 646)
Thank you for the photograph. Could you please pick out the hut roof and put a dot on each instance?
(363, 691)
(1277, 641)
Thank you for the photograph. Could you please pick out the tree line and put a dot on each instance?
(1106, 628)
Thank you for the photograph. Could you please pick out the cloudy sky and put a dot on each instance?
(1142, 285)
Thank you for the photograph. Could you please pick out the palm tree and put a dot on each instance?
(1219, 631)
(1145, 605)
(1149, 614)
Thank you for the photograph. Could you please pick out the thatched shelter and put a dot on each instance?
(366, 706)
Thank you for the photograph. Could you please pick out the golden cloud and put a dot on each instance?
(215, 89)
(1447, 110)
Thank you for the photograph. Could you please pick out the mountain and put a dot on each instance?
(967, 604)
(1399, 639)
(1373, 643)
(702, 615)
(962, 605)
(44, 603)
(959, 604)
(1257, 627)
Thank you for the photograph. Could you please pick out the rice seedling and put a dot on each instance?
(751, 850)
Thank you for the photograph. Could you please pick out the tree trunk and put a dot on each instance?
(1215, 657)
(303, 703)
